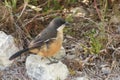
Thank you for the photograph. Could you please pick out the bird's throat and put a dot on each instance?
(60, 29)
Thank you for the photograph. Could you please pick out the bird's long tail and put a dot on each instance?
(18, 53)
(22, 51)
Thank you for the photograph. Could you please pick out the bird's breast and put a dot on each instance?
(51, 47)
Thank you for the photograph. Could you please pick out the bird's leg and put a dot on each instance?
(51, 61)
(54, 58)
(42, 58)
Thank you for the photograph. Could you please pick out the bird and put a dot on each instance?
(48, 42)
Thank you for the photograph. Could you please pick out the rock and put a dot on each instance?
(70, 56)
(105, 69)
(7, 48)
(79, 12)
(38, 69)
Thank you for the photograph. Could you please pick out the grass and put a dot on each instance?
(94, 42)
(11, 4)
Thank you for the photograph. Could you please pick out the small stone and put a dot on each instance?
(105, 69)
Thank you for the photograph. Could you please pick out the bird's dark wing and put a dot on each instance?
(45, 35)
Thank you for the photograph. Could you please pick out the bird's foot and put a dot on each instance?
(52, 61)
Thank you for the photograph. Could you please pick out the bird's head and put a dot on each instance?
(58, 23)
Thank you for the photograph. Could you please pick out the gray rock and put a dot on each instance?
(7, 48)
(38, 69)
(105, 69)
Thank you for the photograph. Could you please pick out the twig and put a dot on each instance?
(25, 4)
(98, 12)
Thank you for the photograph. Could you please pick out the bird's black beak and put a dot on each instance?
(67, 24)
